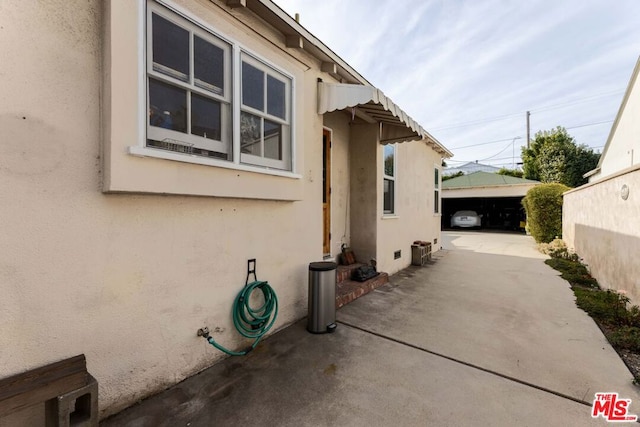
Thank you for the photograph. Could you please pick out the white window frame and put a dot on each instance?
(190, 86)
(231, 94)
(264, 115)
(392, 178)
(437, 185)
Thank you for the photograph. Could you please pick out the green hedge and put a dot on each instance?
(543, 204)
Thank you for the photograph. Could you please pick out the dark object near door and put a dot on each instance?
(364, 273)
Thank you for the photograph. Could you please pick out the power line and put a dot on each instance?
(590, 124)
(517, 158)
(475, 122)
(513, 140)
(538, 109)
(578, 101)
(483, 143)
(501, 151)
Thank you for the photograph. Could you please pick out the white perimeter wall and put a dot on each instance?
(603, 229)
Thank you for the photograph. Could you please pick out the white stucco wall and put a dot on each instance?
(414, 218)
(364, 159)
(127, 279)
(602, 227)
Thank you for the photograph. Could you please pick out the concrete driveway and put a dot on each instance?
(487, 334)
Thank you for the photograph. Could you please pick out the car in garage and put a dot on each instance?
(466, 219)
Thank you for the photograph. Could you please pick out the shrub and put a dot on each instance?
(557, 248)
(626, 337)
(608, 307)
(573, 272)
(543, 204)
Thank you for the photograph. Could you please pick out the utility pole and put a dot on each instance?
(528, 129)
(513, 152)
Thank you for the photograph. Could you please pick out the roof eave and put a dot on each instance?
(283, 22)
(625, 99)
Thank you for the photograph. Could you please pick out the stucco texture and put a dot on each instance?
(126, 279)
(414, 217)
(123, 257)
(602, 227)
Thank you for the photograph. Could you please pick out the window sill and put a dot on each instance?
(390, 216)
(186, 158)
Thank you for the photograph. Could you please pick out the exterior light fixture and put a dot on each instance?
(624, 192)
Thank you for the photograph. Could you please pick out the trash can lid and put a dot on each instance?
(323, 266)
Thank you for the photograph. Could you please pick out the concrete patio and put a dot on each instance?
(486, 334)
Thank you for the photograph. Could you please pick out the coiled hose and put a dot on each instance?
(250, 322)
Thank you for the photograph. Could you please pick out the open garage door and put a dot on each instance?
(498, 213)
(498, 198)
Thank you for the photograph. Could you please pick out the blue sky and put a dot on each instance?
(468, 70)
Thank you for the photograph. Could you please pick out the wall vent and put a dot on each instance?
(397, 254)
(435, 241)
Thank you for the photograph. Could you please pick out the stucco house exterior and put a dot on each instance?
(149, 148)
(601, 218)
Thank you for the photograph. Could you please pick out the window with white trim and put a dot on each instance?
(264, 122)
(389, 179)
(190, 85)
(436, 192)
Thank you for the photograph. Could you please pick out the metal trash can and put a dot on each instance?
(322, 297)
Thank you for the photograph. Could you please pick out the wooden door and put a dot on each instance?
(326, 191)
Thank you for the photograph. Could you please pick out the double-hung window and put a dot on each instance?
(189, 87)
(389, 179)
(191, 77)
(264, 118)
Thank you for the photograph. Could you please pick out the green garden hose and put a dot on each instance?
(250, 322)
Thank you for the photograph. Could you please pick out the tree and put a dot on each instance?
(511, 172)
(454, 175)
(554, 156)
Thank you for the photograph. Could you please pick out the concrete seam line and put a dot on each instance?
(471, 365)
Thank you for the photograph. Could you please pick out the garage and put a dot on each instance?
(496, 198)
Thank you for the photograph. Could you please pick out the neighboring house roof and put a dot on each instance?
(354, 91)
(616, 122)
(486, 184)
(469, 167)
(484, 179)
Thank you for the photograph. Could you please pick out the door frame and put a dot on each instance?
(327, 137)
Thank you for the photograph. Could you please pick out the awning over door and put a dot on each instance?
(395, 124)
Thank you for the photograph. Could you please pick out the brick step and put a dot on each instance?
(349, 290)
(344, 272)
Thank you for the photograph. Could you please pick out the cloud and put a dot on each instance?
(447, 62)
